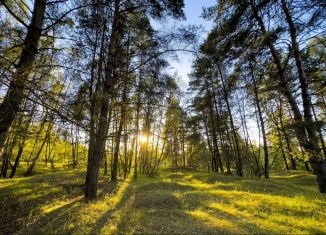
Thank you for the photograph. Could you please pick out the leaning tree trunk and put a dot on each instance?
(23, 142)
(310, 144)
(29, 171)
(321, 137)
(15, 94)
(283, 153)
(316, 159)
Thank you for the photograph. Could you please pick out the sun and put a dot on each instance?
(142, 139)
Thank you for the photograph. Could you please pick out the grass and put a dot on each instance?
(184, 202)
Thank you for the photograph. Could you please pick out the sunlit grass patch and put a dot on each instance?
(53, 203)
(221, 224)
(228, 209)
(185, 202)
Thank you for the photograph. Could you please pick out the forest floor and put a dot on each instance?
(183, 202)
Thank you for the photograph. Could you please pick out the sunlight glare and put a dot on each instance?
(143, 139)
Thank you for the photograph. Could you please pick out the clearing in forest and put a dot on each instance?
(183, 202)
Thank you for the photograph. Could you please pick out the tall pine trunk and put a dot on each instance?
(94, 162)
(310, 142)
(316, 159)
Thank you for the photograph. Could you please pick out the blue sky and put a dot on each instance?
(193, 10)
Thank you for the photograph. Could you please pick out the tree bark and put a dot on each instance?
(23, 142)
(262, 124)
(316, 159)
(311, 144)
(213, 159)
(29, 171)
(15, 94)
(287, 140)
(95, 99)
(93, 165)
(320, 133)
(114, 170)
(236, 140)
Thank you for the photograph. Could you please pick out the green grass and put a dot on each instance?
(184, 202)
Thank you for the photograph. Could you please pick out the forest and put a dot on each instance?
(100, 134)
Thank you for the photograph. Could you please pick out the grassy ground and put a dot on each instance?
(185, 202)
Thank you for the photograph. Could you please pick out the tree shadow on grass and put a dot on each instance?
(151, 212)
(169, 186)
(19, 210)
(120, 197)
(54, 204)
(56, 221)
(36, 204)
(153, 197)
(160, 212)
(73, 216)
(242, 224)
(167, 208)
(164, 221)
(294, 185)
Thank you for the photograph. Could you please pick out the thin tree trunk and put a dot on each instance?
(287, 139)
(283, 154)
(262, 124)
(156, 165)
(224, 144)
(213, 159)
(246, 133)
(5, 162)
(29, 171)
(131, 154)
(236, 140)
(137, 137)
(125, 168)
(216, 151)
(114, 170)
(118, 136)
